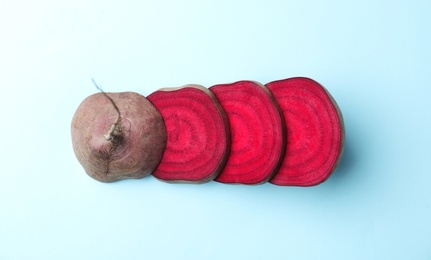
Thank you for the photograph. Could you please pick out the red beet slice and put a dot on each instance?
(257, 132)
(315, 132)
(198, 140)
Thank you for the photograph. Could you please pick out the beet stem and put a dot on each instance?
(114, 127)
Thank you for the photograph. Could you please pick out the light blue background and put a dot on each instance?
(373, 56)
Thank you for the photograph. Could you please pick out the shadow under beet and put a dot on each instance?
(350, 156)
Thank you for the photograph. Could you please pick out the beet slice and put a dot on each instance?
(257, 132)
(315, 132)
(198, 140)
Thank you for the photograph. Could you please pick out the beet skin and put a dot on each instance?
(138, 143)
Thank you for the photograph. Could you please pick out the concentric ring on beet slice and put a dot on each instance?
(258, 135)
(315, 132)
(198, 135)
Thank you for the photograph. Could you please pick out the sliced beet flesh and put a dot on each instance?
(198, 141)
(257, 132)
(315, 132)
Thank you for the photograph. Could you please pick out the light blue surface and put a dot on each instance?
(373, 56)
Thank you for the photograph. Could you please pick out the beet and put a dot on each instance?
(315, 132)
(198, 134)
(132, 149)
(257, 132)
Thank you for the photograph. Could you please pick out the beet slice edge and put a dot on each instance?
(315, 132)
(198, 142)
(258, 135)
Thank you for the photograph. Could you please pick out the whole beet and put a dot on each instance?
(113, 145)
